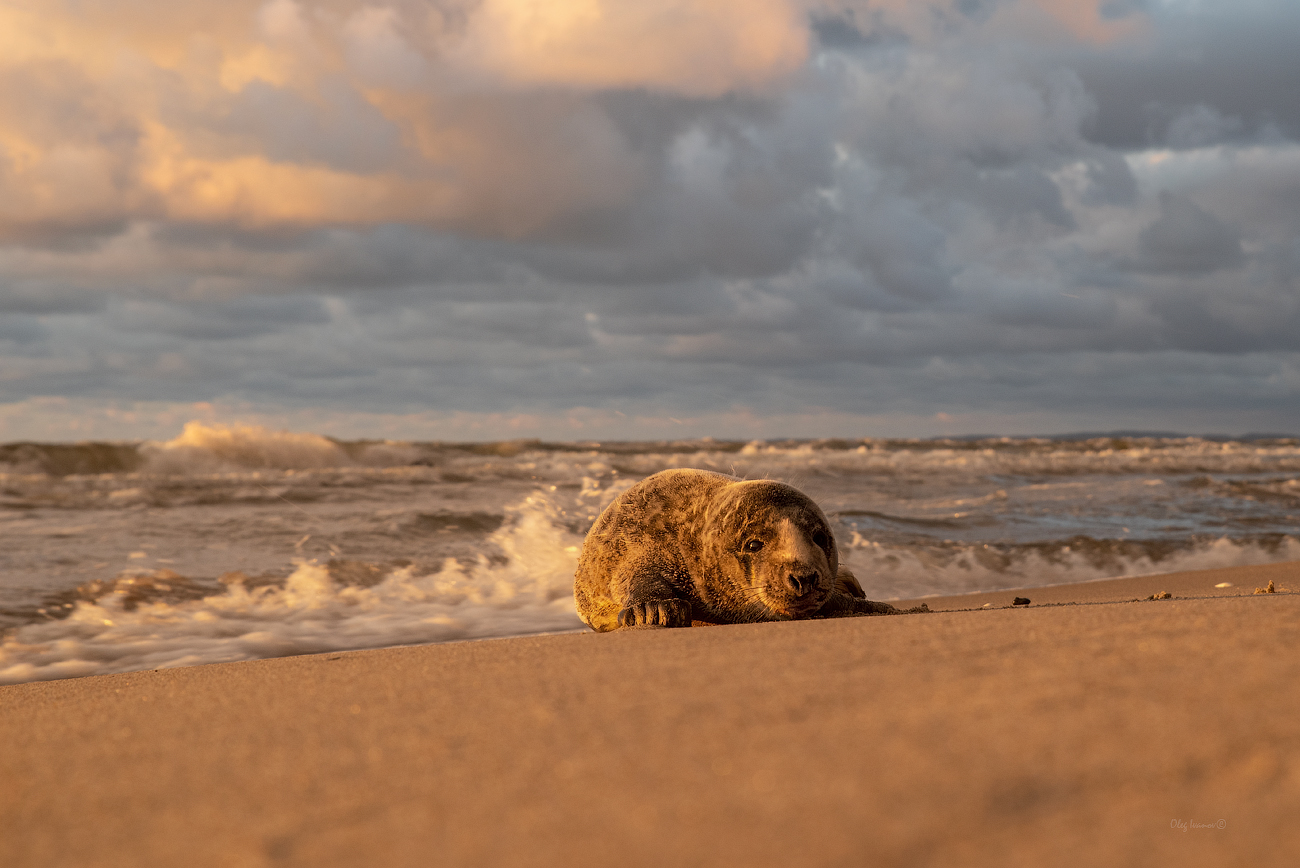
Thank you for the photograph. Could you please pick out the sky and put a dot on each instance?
(643, 219)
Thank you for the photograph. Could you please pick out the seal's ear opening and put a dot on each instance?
(819, 534)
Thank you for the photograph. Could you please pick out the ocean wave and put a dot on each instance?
(149, 619)
(206, 448)
(158, 619)
(68, 459)
(896, 572)
(113, 550)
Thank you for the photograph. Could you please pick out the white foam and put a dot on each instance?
(894, 573)
(531, 591)
(526, 587)
(1027, 457)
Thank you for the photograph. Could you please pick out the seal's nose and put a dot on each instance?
(801, 584)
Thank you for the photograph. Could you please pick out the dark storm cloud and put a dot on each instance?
(1209, 73)
(220, 320)
(22, 329)
(1009, 206)
(31, 295)
(1189, 240)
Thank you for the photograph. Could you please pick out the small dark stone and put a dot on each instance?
(1020, 601)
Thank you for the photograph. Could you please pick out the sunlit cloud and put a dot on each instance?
(468, 116)
(691, 47)
(806, 208)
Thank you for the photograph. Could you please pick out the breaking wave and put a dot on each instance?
(232, 542)
(158, 619)
(208, 448)
(897, 572)
(205, 448)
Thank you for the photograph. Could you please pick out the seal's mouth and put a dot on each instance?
(796, 598)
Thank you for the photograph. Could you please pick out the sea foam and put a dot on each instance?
(231, 542)
(527, 587)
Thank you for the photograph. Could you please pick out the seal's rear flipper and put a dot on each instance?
(847, 583)
(842, 605)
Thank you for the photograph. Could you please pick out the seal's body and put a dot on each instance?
(690, 545)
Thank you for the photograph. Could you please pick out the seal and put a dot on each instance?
(686, 546)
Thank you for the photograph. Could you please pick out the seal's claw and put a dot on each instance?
(656, 613)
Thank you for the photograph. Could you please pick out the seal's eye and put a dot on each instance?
(752, 545)
(820, 539)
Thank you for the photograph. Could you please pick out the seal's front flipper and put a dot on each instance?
(656, 613)
(648, 594)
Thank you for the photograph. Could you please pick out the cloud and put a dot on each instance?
(1201, 73)
(230, 319)
(471, 117)
(705, 210)
(854, 23)
(1189, 240)
(700, 48)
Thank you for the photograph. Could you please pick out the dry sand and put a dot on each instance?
(1037, 736)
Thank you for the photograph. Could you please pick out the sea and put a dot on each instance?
(235, 542)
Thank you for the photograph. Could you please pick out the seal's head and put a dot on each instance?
(773, 549)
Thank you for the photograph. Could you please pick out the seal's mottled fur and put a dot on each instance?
(690, 545)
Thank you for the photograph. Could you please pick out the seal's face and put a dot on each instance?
(774, 550)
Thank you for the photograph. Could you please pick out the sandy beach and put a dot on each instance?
(1091, 727)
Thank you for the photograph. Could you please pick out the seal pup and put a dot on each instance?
(692, 545)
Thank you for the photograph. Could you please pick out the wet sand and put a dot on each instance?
(1082, 729)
